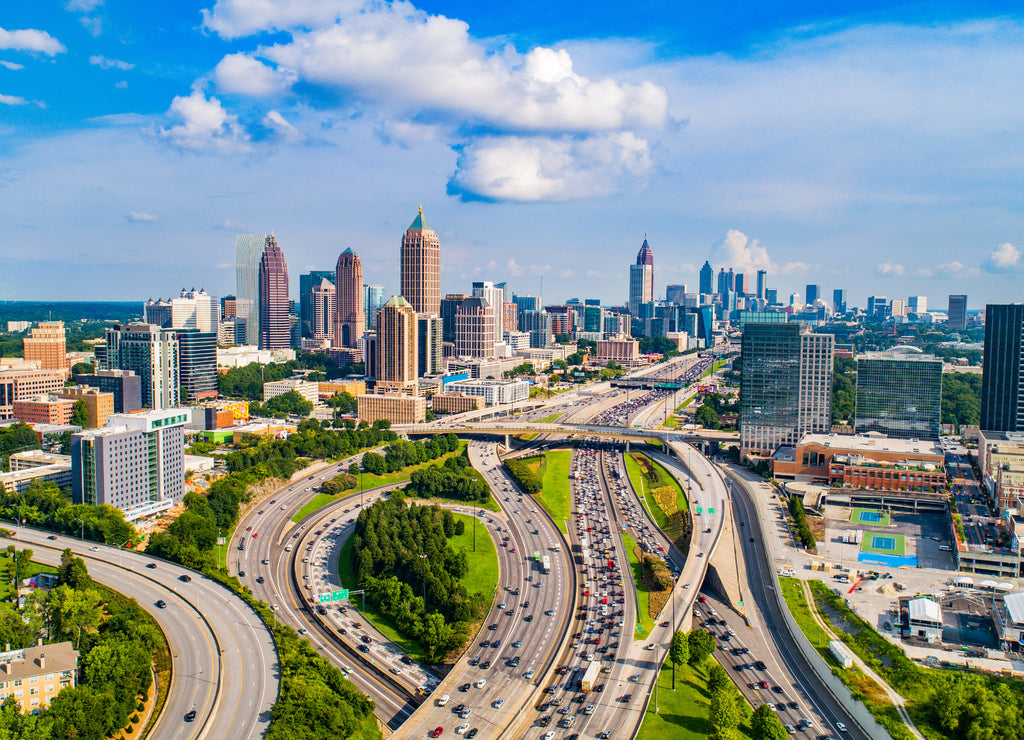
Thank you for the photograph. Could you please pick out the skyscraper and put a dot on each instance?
(197, 364)
(641, 279)
(421, 266)
(48, 344)
(707, 277)
(308, 281)
(449, 306)
(248, 253)
(740, 284)
(786, 388)
(375, 298)
(397, 356)
(675, 293)
(811, 294)
(474, 328)
(878, 306)
(1003, 372)
(917, 304)
(351, 302)
(151, 353)
(839, 300)
(899, 394)
(957, 313)
(275, 323)
(762, 276)
(495, 298)
(430, 358)
(323, 310)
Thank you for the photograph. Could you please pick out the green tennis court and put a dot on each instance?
(885, 544)
(869, 516)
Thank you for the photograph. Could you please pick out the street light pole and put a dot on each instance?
(424, 557)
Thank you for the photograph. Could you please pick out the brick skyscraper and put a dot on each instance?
(350, 300)
(421, 266)
(275, 324)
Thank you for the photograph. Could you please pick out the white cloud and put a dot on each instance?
(540, 269)
(243, 75)
(233, 18)
(232, 225)
(741, 253)
(889, 269)
(83, 6)
(104, 63)
(550, 169)
(121, 85)
(12, 100)
(276, 122)
(31, 39)
(13, 66)
(205, 126)
(93, 24)
(141, 217)
(567, 273)
(796, 268)
(957, 269)
(925, 272)
(512, 269)
(407, 134)
(1004, 258)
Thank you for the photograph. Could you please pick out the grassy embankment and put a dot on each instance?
(683, 714)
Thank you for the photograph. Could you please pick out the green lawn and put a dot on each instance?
(7, 570)
(555, 496)
(683, 714)
(718, 365)
(671, 422)
(796, 600)
(662, 494)
(314, 504)
(482, 577)
(644, 618)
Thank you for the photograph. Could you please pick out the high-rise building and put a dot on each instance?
(897, 308)
(430, 358)
(351, 321)
(308, 281)
(811, 294)
(839, 301)
(375, 298)
(1002, 409)
(675, 293)
(248, 253)
(878, 306)
(526, 303)
(957, 312)
(539, 325)
(899, 394)
(228, 308)
(157, 313)
(47, 344)
(917, 304)
(740, 284)
(771, 296)
(124, 385)
(786, 387)
(135, 463)
(151, 353)
(474, 328)
(275, 324)
(195, 309)
(762, 276)
(421, 266)
(449, 306)
(707, 277)
(323, 310)
(197, 364)
(641, 279)
(397, 352)
(18, 384)
(495, 298)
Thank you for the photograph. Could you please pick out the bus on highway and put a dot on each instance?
(546, 565)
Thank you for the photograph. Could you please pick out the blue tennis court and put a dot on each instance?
(867, 516)
(872, 517)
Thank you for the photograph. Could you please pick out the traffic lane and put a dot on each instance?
(760, 581)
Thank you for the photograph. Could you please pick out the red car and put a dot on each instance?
(436, 732)
(253, 534)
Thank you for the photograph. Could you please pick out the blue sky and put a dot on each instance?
(878, 151)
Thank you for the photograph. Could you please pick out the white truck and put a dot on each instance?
(590, 676)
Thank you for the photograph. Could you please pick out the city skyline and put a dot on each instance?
(583, 138)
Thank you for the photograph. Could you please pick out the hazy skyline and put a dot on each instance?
(877, 151)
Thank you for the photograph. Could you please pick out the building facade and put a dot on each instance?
(275, 329)
(494, 392)
(323, 310)
(1001, 407)
(899, 394)
(47, 344)
(248, 254)
(397, 350)
(197, 364)
(374, 298)
(135, 463)
(98, 404)
(308, 281)
(44, 409)
(641, 279)
(33, 676)
(495, 298)
(152, 354)
(124, 385)
(957, 312)
(421, 266)
(398, 408)
(430, 357)
(474, 328)
(17, 384)
(351, 300)
(786, 387)
(707, 277)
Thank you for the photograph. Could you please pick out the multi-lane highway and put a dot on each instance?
(225, 662)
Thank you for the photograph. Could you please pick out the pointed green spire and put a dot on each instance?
(420, 223)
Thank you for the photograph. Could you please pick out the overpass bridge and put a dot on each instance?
(508, 428)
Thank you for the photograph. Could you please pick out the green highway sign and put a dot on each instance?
(333, 596)
(711, 510)
(699, 510)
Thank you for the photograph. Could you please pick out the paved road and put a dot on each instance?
(225, 662)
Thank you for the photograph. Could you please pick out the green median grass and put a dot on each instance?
(482, 577)
(662, 493)
(314, 504)
(682, 714)
(644, 619)
(555, 495)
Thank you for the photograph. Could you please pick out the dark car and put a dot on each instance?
(161, 604)
(190, 715)
(406, 659)
(472, 733)
(186, 578)
(364, 648)
(151, 565)
(52, 537)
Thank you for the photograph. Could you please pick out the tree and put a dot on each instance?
(766, 725)
(702, 644)
(718, 679)
(679, 650)
(725, 709)
(563, 338)
(374, 464)
(75, 611)
(80, 415)
(574, 359)
(707, 417)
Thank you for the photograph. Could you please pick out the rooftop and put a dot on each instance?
(420, 223)
(1015, 607)
(33, 661)
(866, 444)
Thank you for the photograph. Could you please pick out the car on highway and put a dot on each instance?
(190, 715)
(472, 733)
(840, 726)
(481, 683)
(436, 732)
(161, 604)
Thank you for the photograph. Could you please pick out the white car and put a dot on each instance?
(462, 729)
(840, 726)
(497, 703)
(481, 683)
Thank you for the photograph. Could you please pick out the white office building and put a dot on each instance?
(135, 463)
(494, 392)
